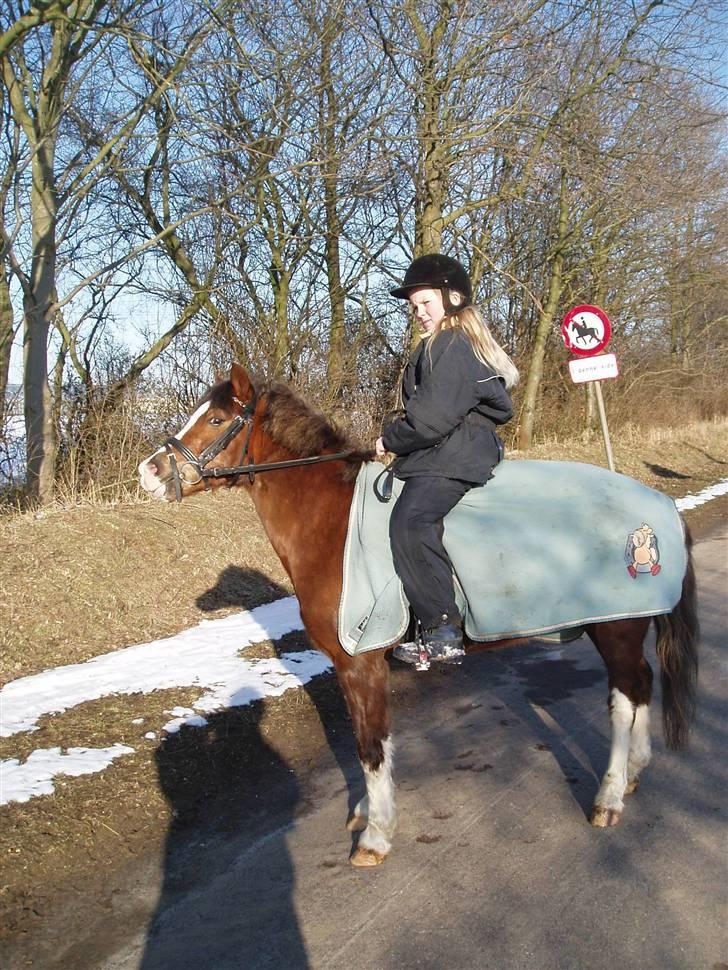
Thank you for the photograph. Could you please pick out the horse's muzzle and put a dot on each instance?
(155, 477)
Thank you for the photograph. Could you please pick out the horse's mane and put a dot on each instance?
(293, 423)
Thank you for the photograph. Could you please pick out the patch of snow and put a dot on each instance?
(21, 782)
(206, 656)
(693, 501)
(194, 720)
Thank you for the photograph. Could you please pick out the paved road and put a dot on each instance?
(494, 865)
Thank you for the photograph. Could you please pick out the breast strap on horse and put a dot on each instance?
(200, 462)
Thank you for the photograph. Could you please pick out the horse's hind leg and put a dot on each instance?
(620, 644)
(365, 683)
(640, 749)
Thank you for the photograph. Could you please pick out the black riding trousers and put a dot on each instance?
(420, 559)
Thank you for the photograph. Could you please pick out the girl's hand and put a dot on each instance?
(379, 448)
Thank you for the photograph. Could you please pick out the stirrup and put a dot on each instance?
(413, 653)
(446, 653)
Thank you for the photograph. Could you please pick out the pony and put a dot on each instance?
(300, 472)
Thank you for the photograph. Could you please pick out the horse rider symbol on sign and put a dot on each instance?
(586, 330)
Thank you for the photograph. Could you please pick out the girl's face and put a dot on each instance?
(428, 308)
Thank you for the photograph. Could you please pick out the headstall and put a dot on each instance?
(200, 462)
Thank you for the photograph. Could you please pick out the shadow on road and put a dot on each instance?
(232, 590)
(230, 790)
(211, 778)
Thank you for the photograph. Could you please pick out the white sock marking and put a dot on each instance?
(640, 749)
(622, 716)
(380, 797)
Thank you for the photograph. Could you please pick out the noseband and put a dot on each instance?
(200, 462)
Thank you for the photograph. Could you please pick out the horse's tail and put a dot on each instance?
(677, 650)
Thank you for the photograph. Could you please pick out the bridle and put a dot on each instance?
(248, 467)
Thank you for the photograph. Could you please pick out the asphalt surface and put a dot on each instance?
(494, 863)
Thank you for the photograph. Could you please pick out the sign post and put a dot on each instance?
(586, 331)
(603, 422)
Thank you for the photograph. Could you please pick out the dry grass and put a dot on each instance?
(673, 460)
(85, 580)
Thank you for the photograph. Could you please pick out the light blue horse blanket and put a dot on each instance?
(545, 547)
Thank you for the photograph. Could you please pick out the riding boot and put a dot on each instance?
(444, 640)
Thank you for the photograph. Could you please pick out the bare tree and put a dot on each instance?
(50, 61)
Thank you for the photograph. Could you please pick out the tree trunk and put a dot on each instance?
(543, 327)
(39, 430)
(280, 279)
(590, 419)
(433, 171)
(432, 129)
(429, 229)
(335, 365)
(7, 335)
(332, 232)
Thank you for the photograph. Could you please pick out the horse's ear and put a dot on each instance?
(242, 384)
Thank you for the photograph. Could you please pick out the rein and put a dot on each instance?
(200, 462)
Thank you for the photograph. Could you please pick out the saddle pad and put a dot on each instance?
(544, 547)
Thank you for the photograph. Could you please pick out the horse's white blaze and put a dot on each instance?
(382, 813)
(148, 478)
(622, 717)
(192, 420)
(640, 749)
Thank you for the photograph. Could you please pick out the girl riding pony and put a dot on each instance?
(454, 394)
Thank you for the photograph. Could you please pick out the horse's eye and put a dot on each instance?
(216, 421)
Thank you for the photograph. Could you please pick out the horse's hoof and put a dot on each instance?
(632, 786)
(366, 858)
(357, 823)
(605, 818)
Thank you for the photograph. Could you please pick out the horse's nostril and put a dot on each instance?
(150, 467)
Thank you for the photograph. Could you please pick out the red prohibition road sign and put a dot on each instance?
(586, 330)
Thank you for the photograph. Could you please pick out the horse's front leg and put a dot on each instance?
(365, 683)
(608, 804)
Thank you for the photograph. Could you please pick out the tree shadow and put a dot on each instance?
(702, 451)
(537, 690)
(548, 686)
(663, 472)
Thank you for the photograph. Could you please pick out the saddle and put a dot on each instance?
(541, 550)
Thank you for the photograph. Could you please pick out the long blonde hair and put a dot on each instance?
(485, 346)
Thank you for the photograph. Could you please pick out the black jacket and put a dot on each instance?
(452, 403)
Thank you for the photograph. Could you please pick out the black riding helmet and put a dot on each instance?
(438, 272)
